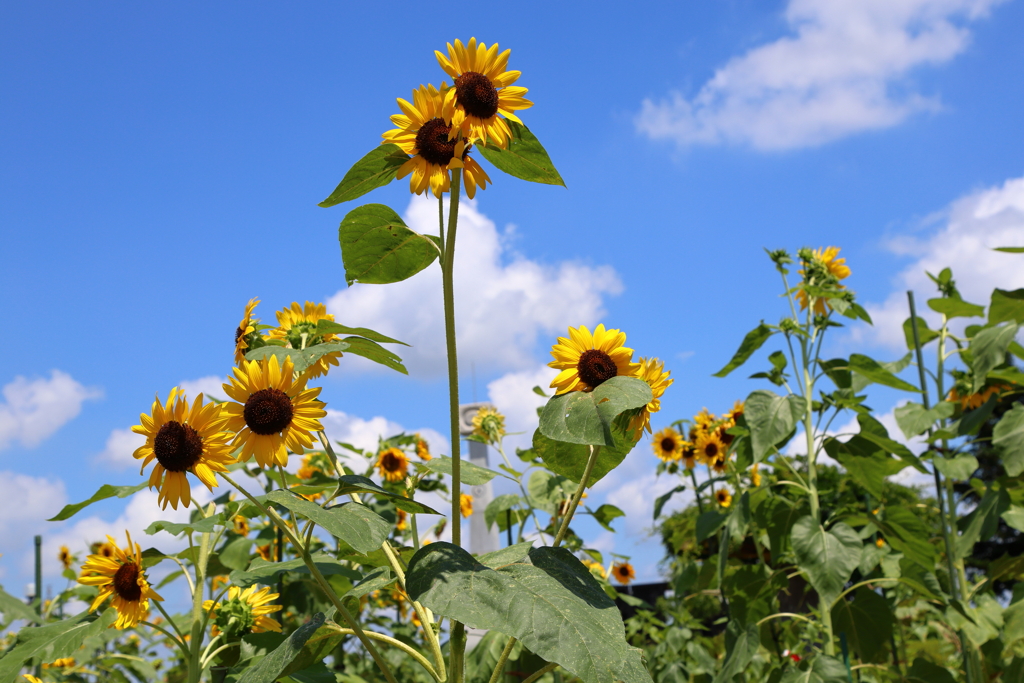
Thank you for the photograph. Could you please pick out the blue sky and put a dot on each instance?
(163, 165)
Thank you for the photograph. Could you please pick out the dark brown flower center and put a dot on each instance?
(268, 411)
(177, 447)
(596, 367)
(725, 436)
(668, 444)
(432, 142)
(711, 450)
(238, 334)
(391, 462)
(126, 582)
(476, 94)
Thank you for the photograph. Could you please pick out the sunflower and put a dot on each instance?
(832, 268)
(31, 679)
(266, 552)
(426, 134)
(489, 424)
(483, 90)
(241, 525)
(465, 504)
(105, 549)
(422, 449)
(969, 401)
(245, 329)
(393, 464)
(586, 360)
(62, 663)
(623, 572)
(243, 612)
(723, 497)
(123, 578)
(736, 412)
(719, 464)
(183, 439)
(65, 557)
(653, 372)
(273, 412)
(401, 520)
(668, 444)
(595, 568)
(296, 325)
(689, 455)
(710, 448)
(755, 476)
(880, 542)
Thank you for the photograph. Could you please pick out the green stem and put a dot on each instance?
(540, 672)
(195, 670)
(500, 666)
(696, 491)
(380, 637)
(576, 497)
(181, 645)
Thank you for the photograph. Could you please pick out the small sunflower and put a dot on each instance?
(755, 476)
(266, 552)
(104, 549)
(218, 581)
(623, 573)
(426, 134)
(401, 520)
(595, 568)
(245, 328)
(489, 424)
(31, 679)
(422, 449)
(653, 372)
(704, 419)
(483, 92)
(183, 439)
(296, 325)
(834, 269)
(723, 497)
(243, 612)
(393, 464)
(710, 448)
(972, 401)
(241, 525)
(880, 542)
(122, 578)
(65, 557)
(587, 360)
(689, 456)
(736, 412)
(62, 663)
(720, 464)
(466, 504)
(273, 412)
(668, 444)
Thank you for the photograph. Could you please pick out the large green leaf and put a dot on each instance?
(988, 349)
(356, 524)
(585, 417)
(525, 157)
(708, 524)
(13, 609)
(547, 599)
(1014, 516)
(872, 370)
(273, 666)
(354, 483)
(959, 468)
(924, 671)
(1008, 438)
(822, 669)
(751, 343)
(742, 644)
(866, 619)
(266, 573)
(201, 525)
(982, 521)
(956, 308)
(777, 515)
(924, 334)
(378, 248)
(376, 169)
(497, 510)
(301, 358)
(907, 533)
(330, 327)
(1006, 306)
(371, 350)
(53, 641)
(471, 474)
(828, 556)
(913, 419)
(104, 492)
(771, 418)
(570, 459)
(868, 464)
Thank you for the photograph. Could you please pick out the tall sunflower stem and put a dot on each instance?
(195, 668)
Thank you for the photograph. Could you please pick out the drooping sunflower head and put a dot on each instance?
(623, 572)
(668, 445)
(271, 412)
(723, 497)
(243, 612)
(246, 336)
(466, 504)
(483, 92)
(296, 326)
(710, 448)
(104, 549)
(123, 578)
(821, 268)
(183, 439)
(241, 525)
(654, 373)
(422, 448)
(393, 464)
(489, 425)
(65, 557)
(588, 360)
(425, 132)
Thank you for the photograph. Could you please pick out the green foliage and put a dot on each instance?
(828, 556)
(376, 169)
(356, 524)
(570, 459)
(586, 417)
(771, 419)
(525, 157)
(378, 248)
(271, 667)
(754, 340)
(52, 641)
(471, 474)
(104, 492)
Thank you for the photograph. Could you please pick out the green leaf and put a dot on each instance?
(972, 420)
(959, 468)
(1008, 439)
(104, 492)
(920, 579)
(660, 501)
(471, 474)
(1006, 306)
(708, 524)
(867, 464)
(874, 431)
(988, 349)
(356, 524)
(525, 157)
(376, 169)
(378, 248)
(872, 370)
(606, 513)
(497, 508)
(377, 579)
(923, 333)
(301, 358)
(823, 669)
(266, 573)
(354, 483)
(778, 515)
(547, 599)
(13, 609)
(924, 671)
(754, 340)
(982, 522)
(1015, 517)
(272, 667)
(913, 419)
(585, 417)
(770, 419)
(907, 533)
(570, 459)
(201, 525)
(53, 641)
(330, 327)
(507, 555)
(744, 642)
(547, 491)
(827, 556)
(956, 308)
(867, 621)
(739, 515)
(235, 555)
(371, 350)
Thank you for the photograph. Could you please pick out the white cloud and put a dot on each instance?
(121, 444)
(974, 225)
(843, 69)
(364, 434)
(504, 301)
(34, 409)
(211, 386)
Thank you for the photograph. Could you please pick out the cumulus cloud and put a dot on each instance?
(504, 301)
(34, 409)
(211, 386)
(121, 444)
(843, 68)
(365, 434)
(969, 230)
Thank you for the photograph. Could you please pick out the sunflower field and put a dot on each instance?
(793, 559)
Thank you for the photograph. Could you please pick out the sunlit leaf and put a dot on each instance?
(586, 417)
(377, 247)
(525, 157)
(751, 343)
(376, 169)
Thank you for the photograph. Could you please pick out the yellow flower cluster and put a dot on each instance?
(824, 269)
